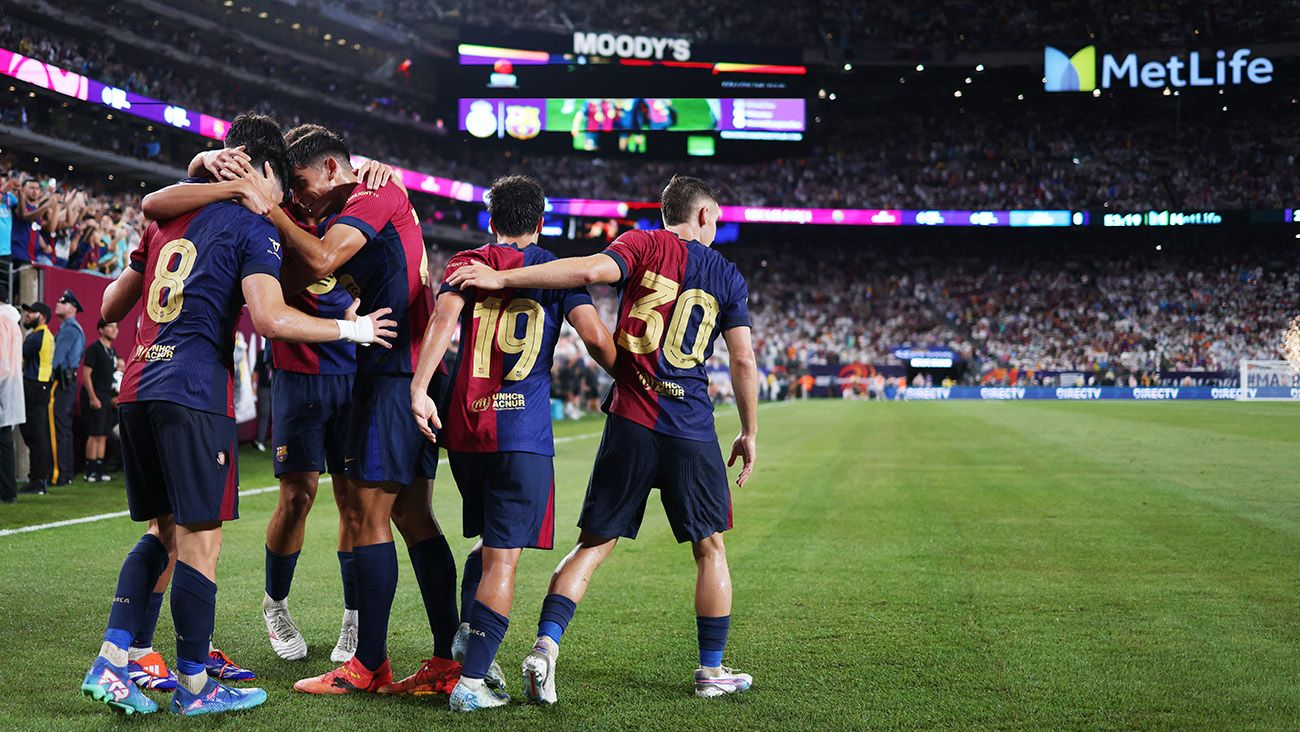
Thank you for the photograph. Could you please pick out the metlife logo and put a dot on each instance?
(1079, 72)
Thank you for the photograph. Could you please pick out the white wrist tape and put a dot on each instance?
(361, 330)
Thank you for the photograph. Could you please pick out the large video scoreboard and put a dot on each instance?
(629, 93)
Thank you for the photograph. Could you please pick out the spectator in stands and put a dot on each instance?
(12, 408)
(262, 388)
(38, 375)
(98, 401)
(7, 203)
(69, 347)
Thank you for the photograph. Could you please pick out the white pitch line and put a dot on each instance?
(243, 493)
(270, 488)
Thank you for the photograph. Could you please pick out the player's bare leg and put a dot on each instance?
(284, 538)
(713, 619)
(568, 586)
(435, 572)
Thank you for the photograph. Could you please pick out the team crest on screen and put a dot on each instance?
(281, 453)
(221, 457)
(523, 122)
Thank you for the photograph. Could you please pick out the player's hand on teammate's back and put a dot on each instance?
(743, 447)
(476, 275)
(371, 328)
(425, 412)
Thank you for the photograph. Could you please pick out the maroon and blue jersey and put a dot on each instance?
(193, 268)
(390, 271)
(323, 299)
(501, 394)
(675, 298)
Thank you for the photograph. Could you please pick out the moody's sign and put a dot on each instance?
(1087, 71)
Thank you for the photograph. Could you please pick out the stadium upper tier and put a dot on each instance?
(1110, 158)
(852, 28)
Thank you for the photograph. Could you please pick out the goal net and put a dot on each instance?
(1272, 380)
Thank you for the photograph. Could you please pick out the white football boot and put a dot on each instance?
(539, 672)
(286, 641)
(346, 648)
(720, 681)
(473, 694)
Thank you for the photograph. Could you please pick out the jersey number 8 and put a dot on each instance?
(175, 261)
(499, 325)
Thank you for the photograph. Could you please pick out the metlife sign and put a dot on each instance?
(1085, 72)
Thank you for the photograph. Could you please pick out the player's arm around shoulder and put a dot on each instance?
(558, 274)
(744, 382)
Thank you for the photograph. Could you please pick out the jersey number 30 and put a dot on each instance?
(167, 293)
(500, 325)
(645, 309)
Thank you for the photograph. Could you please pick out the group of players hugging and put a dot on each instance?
(283, 224)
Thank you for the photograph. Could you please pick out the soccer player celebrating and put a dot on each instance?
(375, 247)
(498, 435)
(311, 393)
(677, 296)
(177, 418)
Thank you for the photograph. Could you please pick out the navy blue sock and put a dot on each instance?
(376, 575)
(279, 573)
(194, 612)
(712, 633)
(557, 611)
(486, 630)
(349, 581)
(435, 570)
(144, 634)
(469, 579)
(143, 565)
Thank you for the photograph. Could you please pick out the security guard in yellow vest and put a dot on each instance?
(38, 373)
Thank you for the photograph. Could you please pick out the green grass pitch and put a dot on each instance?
(896, 566)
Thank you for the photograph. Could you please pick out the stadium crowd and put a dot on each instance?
(69, 226)
(1109, 318)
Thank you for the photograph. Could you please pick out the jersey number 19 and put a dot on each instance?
(497, 325)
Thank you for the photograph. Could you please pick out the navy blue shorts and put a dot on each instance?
(309, 421)
(383, 443)
(180, 461)
(508, 497)
(632, 459)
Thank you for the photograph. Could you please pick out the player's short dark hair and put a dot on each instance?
(515, 203)
(263, 143)
(682, 197)
(312, 147)
(301, 131)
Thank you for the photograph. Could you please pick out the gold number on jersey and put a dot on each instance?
(682, 312)
(322, 286)
(487, 312)
(175, 261)
(494, 328)
(662, 290)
